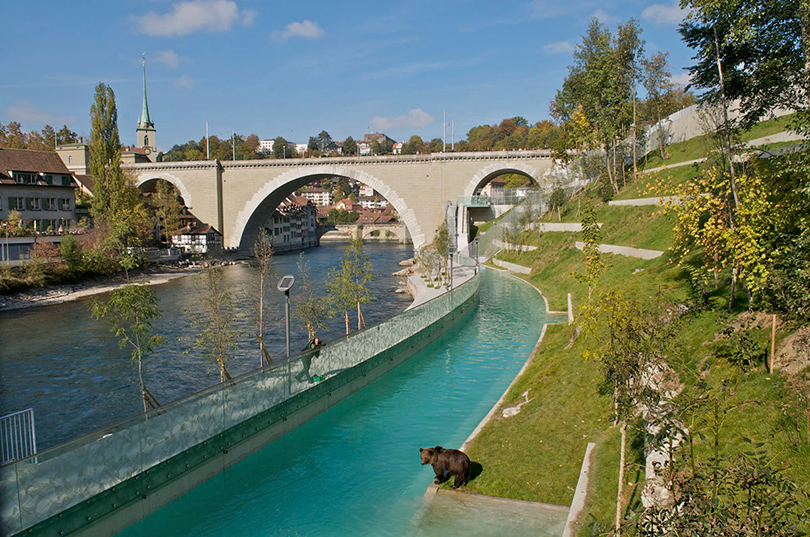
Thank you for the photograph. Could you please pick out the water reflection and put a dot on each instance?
(70, 369)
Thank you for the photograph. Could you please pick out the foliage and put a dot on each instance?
(342, 216)
(263, 261)
(762, 47)
(130, 310)
(347, 284)
(215, 320)
(349, 146)
(218, 148)
(788, 287)
(13, 137)
(166, 204)
(594, 262)
(71, 252)
(310, 309)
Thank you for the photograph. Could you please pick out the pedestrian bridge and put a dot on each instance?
(237, 197)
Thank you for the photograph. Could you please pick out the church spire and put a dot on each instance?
(145, 122)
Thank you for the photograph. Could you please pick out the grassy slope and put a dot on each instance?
(537, 454)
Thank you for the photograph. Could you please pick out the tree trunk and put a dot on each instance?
(635, 142)
(346, 319)
(733, 287)
(804, 16)
(609, 170)
(725, 116)
(621, 481)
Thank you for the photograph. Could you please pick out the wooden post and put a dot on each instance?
(773, 345)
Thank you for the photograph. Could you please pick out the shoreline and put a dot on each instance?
(59, 294)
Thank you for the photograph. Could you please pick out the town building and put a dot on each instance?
(37, 185)
(293, 225)
(317, 195)
(197, 238)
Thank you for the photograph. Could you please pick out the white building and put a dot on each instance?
(319, 196)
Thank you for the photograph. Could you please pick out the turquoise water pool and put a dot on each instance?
(354, 470)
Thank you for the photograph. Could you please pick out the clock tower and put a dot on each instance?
(145, 133)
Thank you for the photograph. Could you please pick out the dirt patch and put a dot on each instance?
(793, 354)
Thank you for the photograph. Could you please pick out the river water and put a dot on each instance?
(70, 369)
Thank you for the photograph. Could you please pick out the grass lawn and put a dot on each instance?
(536, 455)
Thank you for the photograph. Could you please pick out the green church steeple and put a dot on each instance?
(145, 121)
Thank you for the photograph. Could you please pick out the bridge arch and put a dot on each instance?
(485, 175)
(264, 201)
(145, 178)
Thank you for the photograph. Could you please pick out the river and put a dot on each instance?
(70, 369)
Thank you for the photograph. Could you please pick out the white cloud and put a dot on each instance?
(604, 17)
(185, 82)
(209, 16)
(681, 79)
(663, 14)
(25, 112)
(416, 118)
(306, 29)
(560, 47)
(546, 9)
(169, 58)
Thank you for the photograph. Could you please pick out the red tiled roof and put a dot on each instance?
(26, 160)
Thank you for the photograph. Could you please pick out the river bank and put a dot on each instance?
(58, 294)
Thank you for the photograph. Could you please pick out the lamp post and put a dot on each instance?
(285, 284)
(451, 251)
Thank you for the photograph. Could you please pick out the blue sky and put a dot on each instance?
(294, 69)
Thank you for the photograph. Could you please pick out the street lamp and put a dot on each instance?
(285, 284)
(451, 251)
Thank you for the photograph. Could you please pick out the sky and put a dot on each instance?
(294, 69)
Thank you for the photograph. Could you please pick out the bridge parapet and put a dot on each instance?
(345, 161)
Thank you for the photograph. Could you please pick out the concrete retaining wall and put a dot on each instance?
(625, 250)
(512, 267)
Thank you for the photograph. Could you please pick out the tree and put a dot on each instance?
(105, 155)
(263, 260)
(443, 241)
(167, 207)
(130, 310)
(71, 252)
(324, 141)
(656, 79)
(753, 50)
(66, 136)
(347, 284)
(215, 320)
(311, 309)
(280, 149)
(349, 146)
(627, 342)
(592, 237)
(49, 138)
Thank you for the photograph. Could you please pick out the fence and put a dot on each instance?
(18, 438)
(114, 466)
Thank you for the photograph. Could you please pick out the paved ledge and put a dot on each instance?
(638, 202)
(512, 267)
(625, 250)
(578, 503)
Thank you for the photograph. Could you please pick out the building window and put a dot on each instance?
(16, 203)
(65, 180)
(34, 204)
(24, 178)
(50, 204)
(48, 179)
(65, 204)
(70, 159)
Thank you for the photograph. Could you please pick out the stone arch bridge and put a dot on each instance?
(237, 197)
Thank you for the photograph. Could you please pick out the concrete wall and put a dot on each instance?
(512, 267)
(641, 253)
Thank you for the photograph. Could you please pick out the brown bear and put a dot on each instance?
(447, 462)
